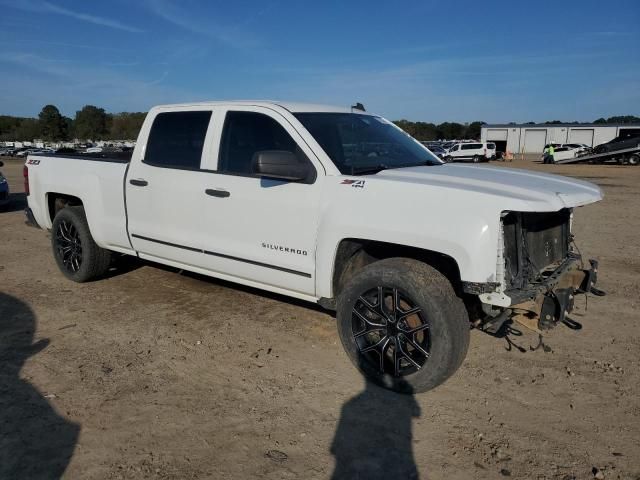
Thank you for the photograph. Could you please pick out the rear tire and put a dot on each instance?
(476, 159)
(401, 351)
(78, 256)
(634, 159)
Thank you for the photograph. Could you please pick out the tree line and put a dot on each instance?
(450, 130)
(94, 123)
(89, 123)
(425, 131)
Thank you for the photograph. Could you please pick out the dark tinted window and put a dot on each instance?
(360, 143)
(246, 133)
(471, 146)
(176, 139)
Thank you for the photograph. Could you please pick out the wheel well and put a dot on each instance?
(57, 201)
(354, 254)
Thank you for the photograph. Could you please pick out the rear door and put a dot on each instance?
(491, 150)
(563, 153)
(165, 188)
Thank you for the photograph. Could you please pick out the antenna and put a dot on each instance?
(358, 106)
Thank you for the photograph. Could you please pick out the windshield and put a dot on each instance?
(359, 143)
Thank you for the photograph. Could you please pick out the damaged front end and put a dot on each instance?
(540, 272)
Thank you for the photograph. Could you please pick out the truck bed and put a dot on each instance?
(98, 184)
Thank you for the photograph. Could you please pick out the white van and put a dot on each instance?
(474, 151)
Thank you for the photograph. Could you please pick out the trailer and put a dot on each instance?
(628, 156)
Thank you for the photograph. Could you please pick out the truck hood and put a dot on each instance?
(540, 190)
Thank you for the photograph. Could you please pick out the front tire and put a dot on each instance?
(402, 325)
(78, 256)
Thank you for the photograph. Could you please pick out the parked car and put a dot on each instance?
(35, 151)
(562, 153)
(473, 151)
(439, 151)
(619, 143)
(66, 150)
(4, 189)
(275, 196)
(23, 152)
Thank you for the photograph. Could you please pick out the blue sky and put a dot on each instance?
(436, 61)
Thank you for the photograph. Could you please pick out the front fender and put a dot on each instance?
(469, 236)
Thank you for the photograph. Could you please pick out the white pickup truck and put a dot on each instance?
(330, 205)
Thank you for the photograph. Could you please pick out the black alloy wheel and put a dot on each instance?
(69, 246)
(391, 332)
(402, 324)
(78, 256)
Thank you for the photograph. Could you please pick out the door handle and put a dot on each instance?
(138, 183)
(214, 192)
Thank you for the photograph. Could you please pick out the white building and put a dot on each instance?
(531, 138)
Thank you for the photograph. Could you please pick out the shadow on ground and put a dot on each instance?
(374, 438)
(17, 201)
(35, 442)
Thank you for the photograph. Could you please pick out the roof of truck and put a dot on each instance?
(291, 106)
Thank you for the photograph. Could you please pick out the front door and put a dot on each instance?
(261, 230)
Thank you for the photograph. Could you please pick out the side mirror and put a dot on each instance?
(280, 165)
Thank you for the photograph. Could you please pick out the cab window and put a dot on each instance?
(246, 133)
(176, 139)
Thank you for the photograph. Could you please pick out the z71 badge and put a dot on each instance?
(354, 183)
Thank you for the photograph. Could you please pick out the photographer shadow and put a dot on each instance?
(374, 438)
(35, 442)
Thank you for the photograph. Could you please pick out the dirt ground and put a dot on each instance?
(151, 373)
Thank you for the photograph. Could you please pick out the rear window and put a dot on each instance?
(176, 139)
(491, 146)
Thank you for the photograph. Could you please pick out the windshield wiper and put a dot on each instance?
(368, 169)
(372, 169)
